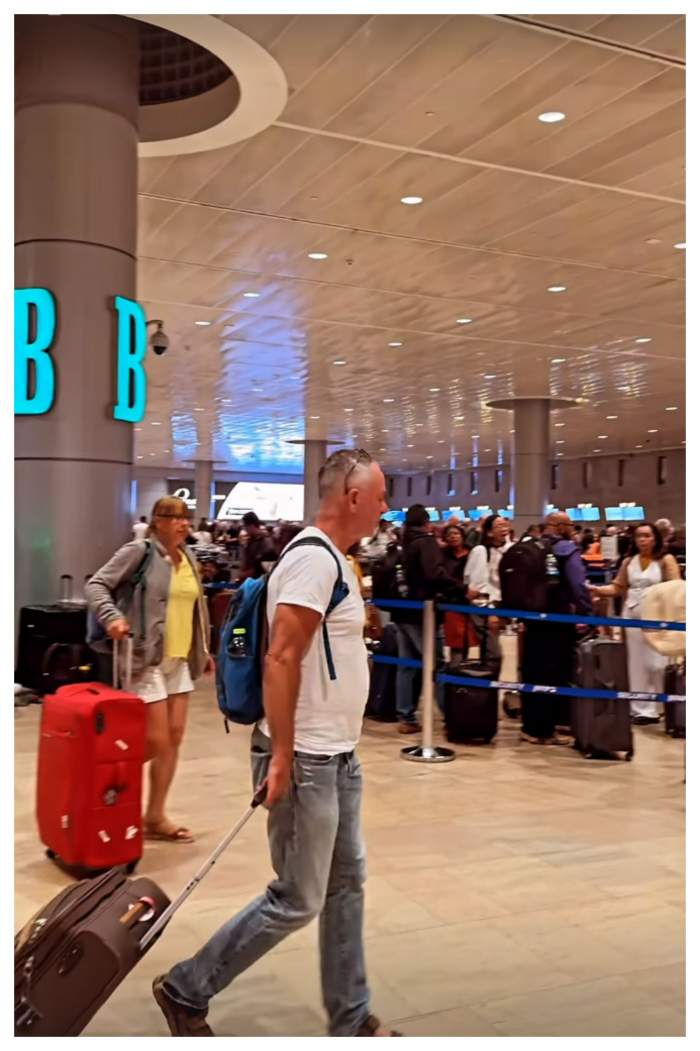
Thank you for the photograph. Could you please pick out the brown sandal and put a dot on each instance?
(370, 1026)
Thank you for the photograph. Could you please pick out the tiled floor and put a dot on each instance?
(517, 891)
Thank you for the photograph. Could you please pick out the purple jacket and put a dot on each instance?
(575, 573)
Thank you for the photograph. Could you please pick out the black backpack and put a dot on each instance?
(388, 577)
(533, 577)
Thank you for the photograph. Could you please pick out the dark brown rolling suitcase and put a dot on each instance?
(602, 728)
(74, 952)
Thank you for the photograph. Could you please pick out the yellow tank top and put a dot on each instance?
(183, 594)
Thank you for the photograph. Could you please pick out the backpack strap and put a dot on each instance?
(340, 591)
(138, 580)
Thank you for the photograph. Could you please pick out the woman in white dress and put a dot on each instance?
(647, 564)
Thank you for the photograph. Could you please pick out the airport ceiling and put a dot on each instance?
(418, 315)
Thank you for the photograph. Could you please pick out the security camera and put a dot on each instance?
(159, 341)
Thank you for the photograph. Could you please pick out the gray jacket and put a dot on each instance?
(102, 592)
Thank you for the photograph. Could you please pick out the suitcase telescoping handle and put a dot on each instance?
(129, 662)
(165, 917)
(65, 587)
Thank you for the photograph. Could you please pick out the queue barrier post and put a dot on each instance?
(426, 752)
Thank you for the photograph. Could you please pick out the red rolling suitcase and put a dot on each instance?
(91, 753)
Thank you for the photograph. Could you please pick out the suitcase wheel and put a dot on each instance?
(628, 757)
(50, 854)
(131, 867)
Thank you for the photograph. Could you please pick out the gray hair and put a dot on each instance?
(338, 468)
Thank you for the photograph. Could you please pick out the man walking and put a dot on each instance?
(304, 752)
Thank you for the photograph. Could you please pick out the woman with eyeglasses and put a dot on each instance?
(151, 589)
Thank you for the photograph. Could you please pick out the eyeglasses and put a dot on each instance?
(360, 456)
(176, 518)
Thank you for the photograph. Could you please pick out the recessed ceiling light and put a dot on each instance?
(560, 425)
(137, 428)
(653, 430)
(487, 450)
(644, 339)
(340, 361)
(251, 295)
(557, 288)
(347, 410)
(457, 419)
(428, 457)
(512, 432)
(464, 320)
(601, 436)
(199, 410)
(489, 376)
(411, 200)
(317, 255)
(475, 435)
(671, 408)
(680, 245)
(203, 324)
(155, 423)
(409, 446)
(395, 343)
(139, 457)
(551, 116)
(639, 446)
(653, 241)
(257, 389)
(441, 441)
(151, 454)
(561, 441)
(611, 417)
(434, 390)
(225, 401)
(558, 361)
(596, 450)
(387, 401)
(560, 454)
(314, 417)
(624, 389)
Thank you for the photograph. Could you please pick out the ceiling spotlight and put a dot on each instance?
(411, 200)
(560, 425)
(257, 390)
(464, 320)
(680, 246)
(601, 436)
(596, 450)
(557, 288)
(653, 430)
(441, 441)
(645, 339)
(155, 423)
(317, 255)
(551, 117)
(314, 417)
(203, 324)
(475, 435)
(340, 361)
(558, 361)
(409, 446)
(251, 295)
(653, 241)
(611, 417)
(428, 457)
(395, 343)
(639, 446)
(671, 408)
(489, 376)
(561, 441)
(139, 457)
(434, 390)
(387, 401)
(199, 410)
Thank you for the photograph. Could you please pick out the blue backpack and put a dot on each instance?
(244, 638)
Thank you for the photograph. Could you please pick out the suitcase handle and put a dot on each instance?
(166, 915)
(129, 662)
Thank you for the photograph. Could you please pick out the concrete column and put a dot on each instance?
(530, 462)
(203, 474)
(315, 453)
(76, 81)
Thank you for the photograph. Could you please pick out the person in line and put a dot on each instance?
(456, 552)
(202, 534)
(259, 548)
(140, 528)
(483, 584)
(549, 649)
(665, 528)
(427, 577)
(169, 621)
(458, 629)
(303, 751)
(647, 564)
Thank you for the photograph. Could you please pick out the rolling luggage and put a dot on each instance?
(602, 728)
(674, 711)
(51, 650)
(381, 704)
(91, 754)
(74, 952)
(471, 712)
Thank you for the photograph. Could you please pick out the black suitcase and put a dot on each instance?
(381, 703)
(51, 650)
(73, 954)
(602, 728)
(471, 712)
(674, 711)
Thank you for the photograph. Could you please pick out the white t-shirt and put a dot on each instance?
(140, 530)
(481, 572)
(329, 713)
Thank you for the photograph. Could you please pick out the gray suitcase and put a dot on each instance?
(602, 728)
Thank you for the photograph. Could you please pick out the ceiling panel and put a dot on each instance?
(580, 210)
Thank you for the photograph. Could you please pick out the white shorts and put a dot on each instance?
(171, 676)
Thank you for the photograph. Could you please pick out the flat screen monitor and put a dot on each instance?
(395, 516)
(633, 514)
(433, 514)
(583, 514)
(614, 514)
(506, 512)
(477, 513)
(453, 512)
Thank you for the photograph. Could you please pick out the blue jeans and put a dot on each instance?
(317, 852)
(410, 643)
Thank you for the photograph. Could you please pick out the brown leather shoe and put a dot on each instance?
(182, 1021)
(370, 1026)
(409, 728)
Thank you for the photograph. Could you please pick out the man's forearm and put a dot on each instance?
(281, 682)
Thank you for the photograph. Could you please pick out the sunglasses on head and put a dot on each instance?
(359, 456)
